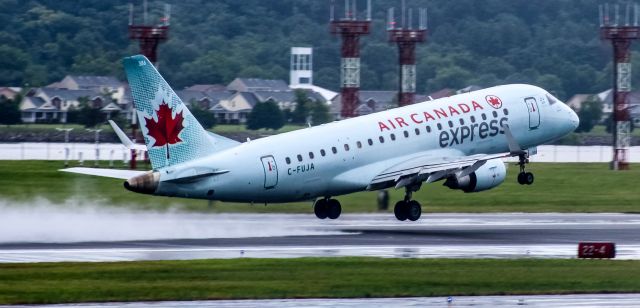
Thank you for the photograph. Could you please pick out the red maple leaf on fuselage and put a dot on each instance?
(495, 101)
(166, 130)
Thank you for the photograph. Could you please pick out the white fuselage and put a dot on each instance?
(291, 166)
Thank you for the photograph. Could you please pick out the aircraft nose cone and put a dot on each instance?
(573, 117)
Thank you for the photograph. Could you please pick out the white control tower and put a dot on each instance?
(301, 66)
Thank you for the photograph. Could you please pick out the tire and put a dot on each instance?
(521, 179)
(400, 210)
(528, 178)
(333, 209)
(414, 210)
(321, 209)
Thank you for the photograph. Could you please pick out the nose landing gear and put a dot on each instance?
(524, 178)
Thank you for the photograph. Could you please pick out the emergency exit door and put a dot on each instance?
(270, 172)
(534, 112)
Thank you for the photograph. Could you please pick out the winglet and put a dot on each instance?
(124, 139)
(514, 147)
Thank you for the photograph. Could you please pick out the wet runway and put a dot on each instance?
(570, 300)
(301, 235)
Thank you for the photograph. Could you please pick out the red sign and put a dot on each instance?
(596, 250)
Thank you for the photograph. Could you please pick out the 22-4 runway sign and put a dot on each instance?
(596, 250)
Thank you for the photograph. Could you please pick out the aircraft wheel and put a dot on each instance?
(521, 178)
(333, 209)
(528, 178)
(400, 210)
(414, 210)
(321, 209)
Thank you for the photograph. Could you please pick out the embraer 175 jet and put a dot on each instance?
(460, 140)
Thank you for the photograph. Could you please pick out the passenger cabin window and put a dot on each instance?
(393, 137)
(505, 111)
(473, 119)
(334, 150)
(406, 134)
(484, 117)
(346, 147)
(381, 139)
(359, 145)
(311, 155)
(370, 142)
(417, 131)
(495, 114)
(428, 129)
(461, 121)
(299, 157)
(439, 126)
(288, 160)
(450, 124)
(323, 153)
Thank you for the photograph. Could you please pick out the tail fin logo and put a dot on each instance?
(166, 129)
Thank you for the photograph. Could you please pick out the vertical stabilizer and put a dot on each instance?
(171, 132)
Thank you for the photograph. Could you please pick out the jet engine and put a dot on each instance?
(488, 176)
(145, 184)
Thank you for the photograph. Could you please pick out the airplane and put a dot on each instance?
(459, 140)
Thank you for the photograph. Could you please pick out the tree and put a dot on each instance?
(590, 114)
(265, 115)
(206, 118)
(303, 106)
(10, 110)
(320, 113)
(86, 114)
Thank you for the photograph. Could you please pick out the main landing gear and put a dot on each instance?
(524, 177)
(407, 208)
(327, 208)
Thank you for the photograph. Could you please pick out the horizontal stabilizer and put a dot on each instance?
(125, 140)
(109, 173)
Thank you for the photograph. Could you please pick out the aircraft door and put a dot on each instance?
(270, 171)
(534, 112)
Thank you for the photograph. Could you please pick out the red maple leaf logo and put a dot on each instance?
(494, 101)
(167, 129)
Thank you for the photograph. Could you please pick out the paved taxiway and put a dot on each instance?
(299, 235)
(571, 300)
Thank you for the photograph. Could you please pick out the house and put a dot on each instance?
(234, 109)
(51, 104)
(206, 88)
(9, 92)
(257, 84)
(369, 102)
(576, 101)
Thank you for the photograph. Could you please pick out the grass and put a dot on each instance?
(559, 187)
(229, 128)
(325, 277)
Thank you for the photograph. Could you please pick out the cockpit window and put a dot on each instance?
(552, 100)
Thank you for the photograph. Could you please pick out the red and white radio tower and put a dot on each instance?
(149, 36)
(620, 36)
(350, 29)
(406, 37)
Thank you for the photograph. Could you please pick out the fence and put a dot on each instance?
(116, 152)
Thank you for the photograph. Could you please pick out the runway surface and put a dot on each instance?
(577, 300)
(199, 236)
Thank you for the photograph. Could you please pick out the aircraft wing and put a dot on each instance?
(429, 168)
(110, 173)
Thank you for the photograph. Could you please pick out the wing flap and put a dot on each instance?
(430, 169)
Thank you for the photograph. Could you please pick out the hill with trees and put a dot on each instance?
(551, 43)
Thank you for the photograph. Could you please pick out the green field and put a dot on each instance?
(575, 187)
(308, 277)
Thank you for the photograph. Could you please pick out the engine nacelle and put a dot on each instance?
(490, 175)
